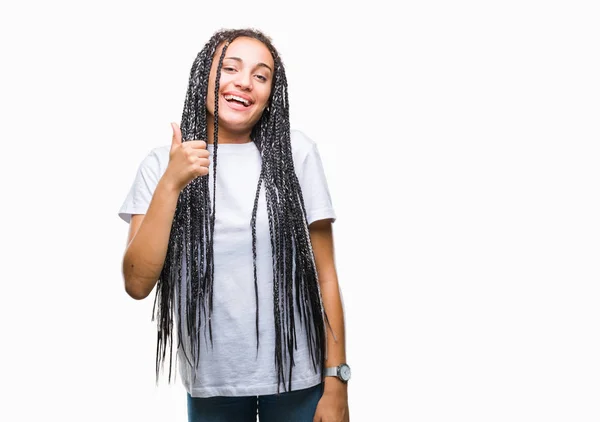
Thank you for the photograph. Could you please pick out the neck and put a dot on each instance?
(226, 136)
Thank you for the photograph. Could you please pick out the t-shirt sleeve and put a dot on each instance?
(315, 190)
(140, 194)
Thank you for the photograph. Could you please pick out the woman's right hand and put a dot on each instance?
(187, 160)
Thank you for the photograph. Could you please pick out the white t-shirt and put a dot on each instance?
(232, 366)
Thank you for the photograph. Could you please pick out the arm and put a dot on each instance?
(149, 233)
(334, 403)
(148, 242)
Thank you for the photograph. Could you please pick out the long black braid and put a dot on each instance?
(190, 249)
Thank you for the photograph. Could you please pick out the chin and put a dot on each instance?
(236, 123)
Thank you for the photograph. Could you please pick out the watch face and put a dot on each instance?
(345, 372)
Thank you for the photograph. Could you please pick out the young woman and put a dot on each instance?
(232, 224)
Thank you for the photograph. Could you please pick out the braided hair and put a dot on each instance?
(190, 248)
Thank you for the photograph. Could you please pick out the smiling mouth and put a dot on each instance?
(234, 99)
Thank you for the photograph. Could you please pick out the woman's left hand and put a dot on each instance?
(333, 405)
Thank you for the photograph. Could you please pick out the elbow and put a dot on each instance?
(139, 278)
(135, 292)
(134, 287)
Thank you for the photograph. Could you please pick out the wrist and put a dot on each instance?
(334, 382)
(333, 385)
(168, 185)
(341, 372)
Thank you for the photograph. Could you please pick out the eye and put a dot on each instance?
(262, 78)
(229, 68)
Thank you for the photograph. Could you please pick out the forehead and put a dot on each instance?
(250, 50)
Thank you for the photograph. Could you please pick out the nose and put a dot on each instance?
(244, 81)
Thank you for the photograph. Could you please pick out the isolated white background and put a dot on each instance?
(460, 140)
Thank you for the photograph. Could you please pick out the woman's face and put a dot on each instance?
(245, 86)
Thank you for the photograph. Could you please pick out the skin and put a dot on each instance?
(333, 406)
(246, 73)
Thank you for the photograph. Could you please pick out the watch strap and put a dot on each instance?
(331, 372)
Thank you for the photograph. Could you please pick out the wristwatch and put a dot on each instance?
(342, 372)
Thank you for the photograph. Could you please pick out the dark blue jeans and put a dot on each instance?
(292, 406)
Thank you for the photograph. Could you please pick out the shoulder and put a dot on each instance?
(160, 153)
(156, 160)
(302, 145)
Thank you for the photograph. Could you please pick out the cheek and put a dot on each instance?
(211, 81)
(264, 97)
(210, 94)
(210, 101)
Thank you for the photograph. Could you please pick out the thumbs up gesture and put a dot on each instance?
(187, 160)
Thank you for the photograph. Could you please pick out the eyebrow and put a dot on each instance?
(261, 64)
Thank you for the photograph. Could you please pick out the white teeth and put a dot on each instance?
(234, 97)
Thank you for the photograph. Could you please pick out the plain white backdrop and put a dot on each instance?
(460, 140)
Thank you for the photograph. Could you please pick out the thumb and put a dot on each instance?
(176, 133)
